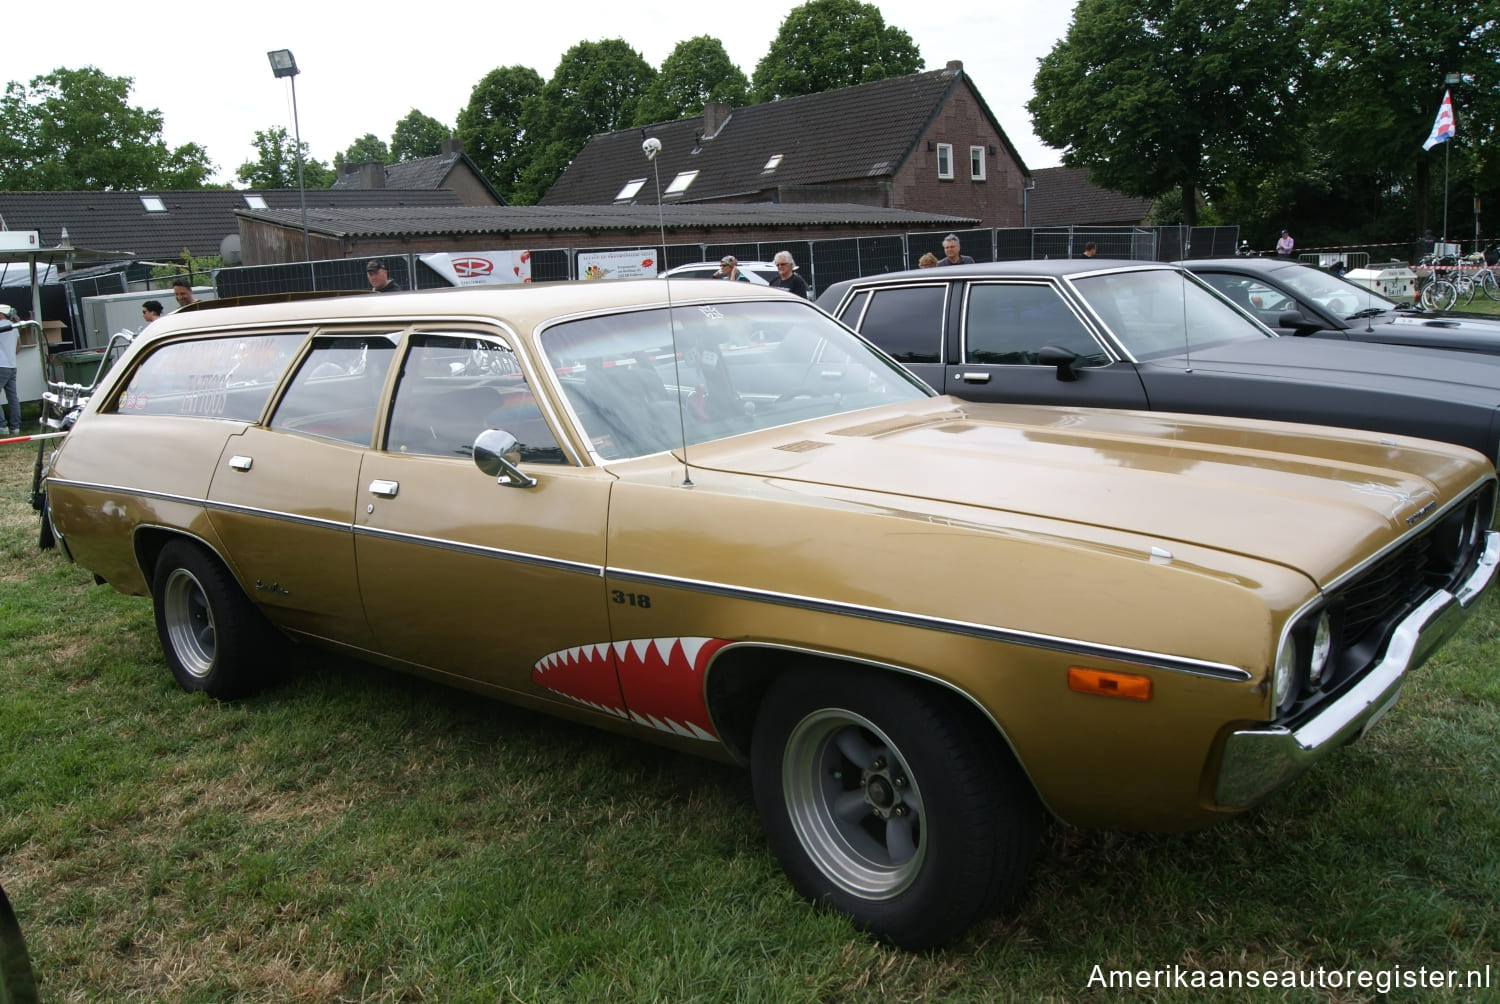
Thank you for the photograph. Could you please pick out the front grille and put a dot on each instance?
(1392, 586)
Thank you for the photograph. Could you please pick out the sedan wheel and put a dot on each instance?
(890, 802)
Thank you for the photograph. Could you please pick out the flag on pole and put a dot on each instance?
(1442, 127)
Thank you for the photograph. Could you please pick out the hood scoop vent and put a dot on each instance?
(802, 446)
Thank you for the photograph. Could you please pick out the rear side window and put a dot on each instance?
(907, 322)
(1010, 323)
(228, 378)
(336, 392)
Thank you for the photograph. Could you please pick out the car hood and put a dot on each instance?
(1464, 377)
(1309, 498)
(1485, 328)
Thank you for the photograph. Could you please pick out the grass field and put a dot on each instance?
(354, 835)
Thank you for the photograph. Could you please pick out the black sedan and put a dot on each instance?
(1296, 299)
(1151, 336)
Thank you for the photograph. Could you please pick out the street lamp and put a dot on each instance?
(284, 64)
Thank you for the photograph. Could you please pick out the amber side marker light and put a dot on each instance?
(1096, 681)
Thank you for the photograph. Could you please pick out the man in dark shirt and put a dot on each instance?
(380, 280)
(786, 275)
(950, 252)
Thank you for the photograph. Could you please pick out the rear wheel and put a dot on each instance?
(214, 639)
(1439, 294)
(890, 802)
(1488, 284)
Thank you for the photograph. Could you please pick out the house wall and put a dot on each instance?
(469, 189)
(995, 201)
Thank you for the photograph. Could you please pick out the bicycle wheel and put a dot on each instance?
(1439, 294)
(1488, 284)
(1464, 283)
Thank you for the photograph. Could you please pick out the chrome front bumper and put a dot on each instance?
(1258, 761)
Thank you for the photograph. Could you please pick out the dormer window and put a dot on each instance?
(153, 204)
(255, 201)
(681, 182)
(631, 189)
(772, 164)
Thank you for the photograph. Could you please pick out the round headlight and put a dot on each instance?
(1286, 673)
(1322, 647)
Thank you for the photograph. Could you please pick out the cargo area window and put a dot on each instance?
(227, 377)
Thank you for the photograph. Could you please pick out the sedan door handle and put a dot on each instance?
(385, 489)
(974, 377)
(240, 462)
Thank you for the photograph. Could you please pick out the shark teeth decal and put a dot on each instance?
(655, 682)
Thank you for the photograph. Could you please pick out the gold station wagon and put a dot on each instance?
(708, 515)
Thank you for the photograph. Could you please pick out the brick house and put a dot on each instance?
(926, 143)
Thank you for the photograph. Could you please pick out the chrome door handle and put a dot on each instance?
(240, 463)
(974, 377)
(385, 489)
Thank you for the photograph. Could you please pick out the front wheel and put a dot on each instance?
(1439, 294)
(891, 802)
(214, 639)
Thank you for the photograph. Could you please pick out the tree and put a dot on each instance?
(418, 135)
(490, 128)
(76, 130)
(275, 165)
(826, 44)
(368, 147)
(1153, 96)
(697, 71)
(596, 88)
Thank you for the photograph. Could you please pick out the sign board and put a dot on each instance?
(20, 240)
(481, 268)
(638, 264)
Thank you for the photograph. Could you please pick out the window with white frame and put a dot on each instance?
(976, 163)
(945, 161)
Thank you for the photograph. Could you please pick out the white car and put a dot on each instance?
(759, 272)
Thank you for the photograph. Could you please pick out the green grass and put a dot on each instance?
(355, 835)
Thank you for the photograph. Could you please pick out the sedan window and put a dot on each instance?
(336, 392)
(907, 322)
(1164, 312)
(1010, 323)
(453, 387)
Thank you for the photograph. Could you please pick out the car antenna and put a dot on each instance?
(1187, 336)
(651, 146)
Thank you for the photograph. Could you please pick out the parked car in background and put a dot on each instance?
(720, 521)
(1151, 336)
(1297, 299)
(759, 272)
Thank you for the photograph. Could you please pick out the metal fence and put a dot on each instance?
(821, 262)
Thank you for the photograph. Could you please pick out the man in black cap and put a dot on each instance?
(380, 281)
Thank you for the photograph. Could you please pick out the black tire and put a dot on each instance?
(214, 639)
(17, 981)
(45, 539)
(937, 826)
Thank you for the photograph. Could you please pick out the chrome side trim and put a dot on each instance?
(1259, 760)
(1156, 660)
(518, 557)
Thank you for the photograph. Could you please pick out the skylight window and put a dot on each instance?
(772, 164)
(153, 204)
(632, 187)
(255, 201)
(681, 182)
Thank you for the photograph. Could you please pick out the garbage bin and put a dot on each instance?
(78, 365)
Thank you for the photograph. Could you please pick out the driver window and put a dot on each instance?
(453, 387)
(1009, 323)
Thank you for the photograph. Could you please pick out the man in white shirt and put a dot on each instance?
(8, 335)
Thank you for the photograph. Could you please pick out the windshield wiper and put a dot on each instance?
(1367, 312)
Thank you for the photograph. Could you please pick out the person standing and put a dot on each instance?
(1090, 249)
(1284, 244)
(182, 292)
(786, 275)
(8, 336)
(729, 268)
(951, 255)
(150, 311)
(380, 279)
(928, 260)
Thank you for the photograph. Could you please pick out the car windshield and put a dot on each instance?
(642, 382)
(1164, 312)
(1337, 296)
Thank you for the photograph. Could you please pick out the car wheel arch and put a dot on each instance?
(150, 540)
(739, 677)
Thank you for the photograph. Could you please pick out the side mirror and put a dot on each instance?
(496, 453)
(1065, 360)
(1299, 322)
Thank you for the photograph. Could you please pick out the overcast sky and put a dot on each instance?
(365, 66)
